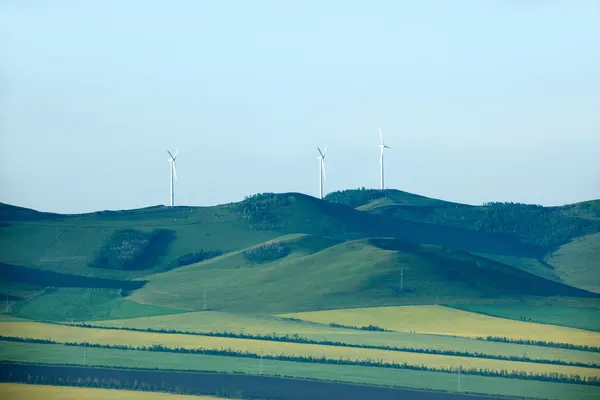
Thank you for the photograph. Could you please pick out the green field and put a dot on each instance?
(16, 391)
(84, 304)
(436, 274)
(59, 354)
(574, 317)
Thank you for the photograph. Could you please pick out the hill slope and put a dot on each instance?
(357, 273)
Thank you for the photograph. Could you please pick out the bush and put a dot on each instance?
(199, 256)
(266, 252)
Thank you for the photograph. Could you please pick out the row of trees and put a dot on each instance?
(542, 343)
(197, 256)
(542, 376)
(295, 338)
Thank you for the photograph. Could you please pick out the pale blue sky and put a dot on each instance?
(482, 100)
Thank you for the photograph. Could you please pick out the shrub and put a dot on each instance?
(195, 257)
(266, 252)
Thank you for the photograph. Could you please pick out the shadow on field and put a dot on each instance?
(227, 385)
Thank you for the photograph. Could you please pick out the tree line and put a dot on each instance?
(369, 362)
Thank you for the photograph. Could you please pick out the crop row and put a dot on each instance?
(547, 377)
(295, 338)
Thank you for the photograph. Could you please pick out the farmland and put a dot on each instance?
(445, 321)
(385, 291)
(18, 391)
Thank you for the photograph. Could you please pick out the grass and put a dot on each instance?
(84, 304)
(440, 320)
(117, 337)
(574, 317)
(17, 391)
(577, 262)
(59, 354)
(210, 321)
(351, 274)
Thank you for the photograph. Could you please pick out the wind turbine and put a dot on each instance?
(321, 170)
(382, 146)
(173, 175)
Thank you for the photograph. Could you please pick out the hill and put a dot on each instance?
(72, 243)
(357, 273)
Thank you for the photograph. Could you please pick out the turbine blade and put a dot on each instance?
(176, 152)
(323, 166)
(171, 155)
(325, 152)
(320, 152)
(381, 136)
(175, 171)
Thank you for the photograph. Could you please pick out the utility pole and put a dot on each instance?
(261, 362)
(204, 306)
(401, 279)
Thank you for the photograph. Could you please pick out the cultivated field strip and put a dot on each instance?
(116, 337)
(60, 354)
(18, 391)
(214, 321)
(446, 321)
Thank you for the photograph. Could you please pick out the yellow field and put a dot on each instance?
(106, 336)
(440, 320)
(17, 391)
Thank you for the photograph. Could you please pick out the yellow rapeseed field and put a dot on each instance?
(107, 336)
(441, 320)
(17, 391)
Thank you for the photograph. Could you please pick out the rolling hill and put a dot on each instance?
(357, 273)
(346, 251)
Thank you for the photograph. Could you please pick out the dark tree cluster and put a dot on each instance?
(266, 252)
(132, 249)
(198, 256)
(355, 197)
(263, 209)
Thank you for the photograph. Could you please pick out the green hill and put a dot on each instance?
(356, 273)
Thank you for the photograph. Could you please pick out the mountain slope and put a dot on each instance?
(357, 273)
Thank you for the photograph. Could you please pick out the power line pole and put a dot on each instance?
(261, 362)
(401, 279)
(204, 306)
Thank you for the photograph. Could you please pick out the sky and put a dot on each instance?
(480, 100)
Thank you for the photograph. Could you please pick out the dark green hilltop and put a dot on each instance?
(292, 252)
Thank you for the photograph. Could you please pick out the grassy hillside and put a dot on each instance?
(544, 228)
(577, 263)
(351, 274)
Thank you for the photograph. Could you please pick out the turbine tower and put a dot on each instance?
(382, 146)
(173, 175)
(322, 176)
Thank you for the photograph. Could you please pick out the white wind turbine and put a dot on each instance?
(173, 175)
(322, 176)
(382, 146)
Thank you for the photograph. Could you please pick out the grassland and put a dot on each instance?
(16, 391)
(351, 274)
(573, 317)
(59, 354)
(118, 337)
(577, 262)
(84, 304)
(440, 320)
